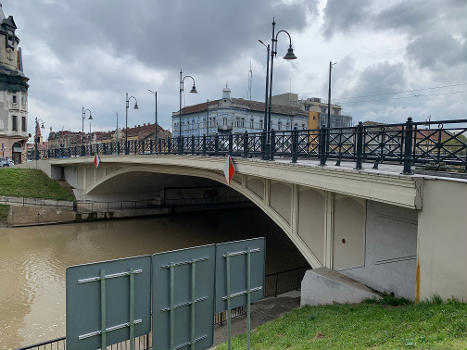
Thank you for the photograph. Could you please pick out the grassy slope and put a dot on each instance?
(31, 183)
(365, 326)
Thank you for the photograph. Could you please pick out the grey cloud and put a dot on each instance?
(196, 34)
(341, 16)
(382, 78)
(435, 50)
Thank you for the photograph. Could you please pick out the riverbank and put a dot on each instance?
(390, 324)
(32, 183)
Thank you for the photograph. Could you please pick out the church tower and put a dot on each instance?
(13, 93)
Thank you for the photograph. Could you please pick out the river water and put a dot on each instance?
(33, 260)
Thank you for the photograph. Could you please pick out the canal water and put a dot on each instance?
(33, 260)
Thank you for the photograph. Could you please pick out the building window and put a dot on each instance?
(11, 39)
(14, 99)
(323, 109)
(252, 124)
(307, 107)
(279, 125)
(23, 124)
(261, 124)
(242, 122)
(15, 123)
(303, 126)
(224, 121)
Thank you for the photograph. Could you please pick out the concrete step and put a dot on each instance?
(324, 286)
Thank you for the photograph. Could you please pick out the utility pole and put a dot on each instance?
(207, 117)
(116, 130)
(328, 124)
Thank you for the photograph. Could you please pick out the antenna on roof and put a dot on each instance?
(250, 81)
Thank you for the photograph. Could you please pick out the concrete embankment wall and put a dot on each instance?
(24, 216)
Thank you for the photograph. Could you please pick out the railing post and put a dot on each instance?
(192, 144)
(169, 141)
(204, 145)
(272, 148)
(245, 144)
(294, 145)
(322, 140)
(180, 144)
(159, 146)
(230, 143)
(150, 146)
(216, 144)
(263, 145)
(408, 147)
(359, 153)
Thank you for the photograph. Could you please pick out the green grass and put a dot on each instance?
(370, 325)
(31, 183)
(4, 213)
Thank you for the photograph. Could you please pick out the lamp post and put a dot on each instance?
(127, 106)
(288, 56)
(36, 137)
(267, 86)
(192, 91)
(155, 116)
(90, 130)
(207, 117)
(329, 108)
(83, 116)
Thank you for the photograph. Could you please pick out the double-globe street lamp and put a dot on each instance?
(127, 106)
(192, 91)
(288, 56)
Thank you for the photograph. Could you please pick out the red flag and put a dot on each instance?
(229, 169)
(97, 160)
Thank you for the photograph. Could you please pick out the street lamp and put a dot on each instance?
(155, 116)
(288, 56)
(267, 86)
(192, 91)
(83, 116)
(90, 130)
(127, 105)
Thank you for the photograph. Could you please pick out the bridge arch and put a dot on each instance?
(250, 192)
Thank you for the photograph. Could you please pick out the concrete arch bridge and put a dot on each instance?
(397, 233)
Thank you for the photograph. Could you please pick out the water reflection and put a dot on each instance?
(33, 260)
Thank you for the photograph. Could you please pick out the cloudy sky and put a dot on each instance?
(395, 58)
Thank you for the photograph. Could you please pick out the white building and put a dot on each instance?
(235, 115)
(13, 93)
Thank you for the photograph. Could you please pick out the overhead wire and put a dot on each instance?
(337, 100)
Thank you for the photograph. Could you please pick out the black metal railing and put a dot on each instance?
(284, 281)
(142, 342)
(438, 145)
(275, 284)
